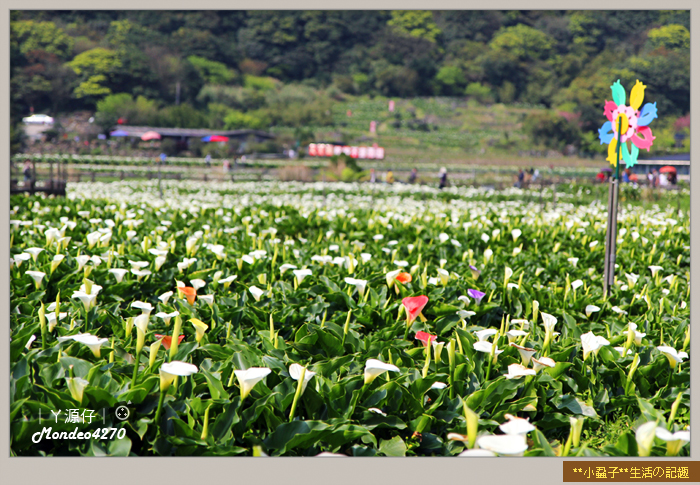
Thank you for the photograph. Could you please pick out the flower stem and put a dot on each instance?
(161, 399)
(297, 394)
(136, 368)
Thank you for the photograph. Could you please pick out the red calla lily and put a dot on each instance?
(426, 338)
(414, 306)
(404, 278)
(167, 340)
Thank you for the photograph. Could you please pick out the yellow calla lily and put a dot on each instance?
(200, 327)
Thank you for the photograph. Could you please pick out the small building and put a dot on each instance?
(184, 135)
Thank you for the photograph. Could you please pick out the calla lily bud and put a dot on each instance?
(472, 424)
(153, 349)
(205, 426)
(576, 428)
(76, 386)
(42, 317)
(175, 336)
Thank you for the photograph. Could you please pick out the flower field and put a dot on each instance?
(285, 319)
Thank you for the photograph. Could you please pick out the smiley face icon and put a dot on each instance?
(122, 413)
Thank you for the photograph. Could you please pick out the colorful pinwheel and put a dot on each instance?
(630, 121)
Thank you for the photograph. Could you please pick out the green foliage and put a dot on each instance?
(450, 80)
(670, 37)
(28, 36)
(521, 42)
(259, 83)
(95, 69)
(211, 71)
(236, 120)
(478, 91)
(552, 130)
(415, 23)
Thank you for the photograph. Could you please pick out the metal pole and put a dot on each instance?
(611, 235)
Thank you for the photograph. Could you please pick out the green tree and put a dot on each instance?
(450, 80)
(29, 35)
(95, 69)
(415, 23)
(211, 71)
(522, 43)
(674, 37)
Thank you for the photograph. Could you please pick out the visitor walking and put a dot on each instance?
(27, 170)
(372, 176)
(443, 178)
(413, 177)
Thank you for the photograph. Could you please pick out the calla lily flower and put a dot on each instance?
(438, 385)
(575, 285)
(167, 340)
(655, 270)
(200, 327)
(404, 278)
(476, 295)
(285, 267)
(165, 297)
(526, 353)
(359, 284)
(516, 426)
(516, 234)
(645, 438)
(256, 292)
(76, 386)
(19, 258)
(573, 261)
(592, 343)
(37, 276)
(464, 299)
(208, 299)
(426, 338)
(525, 324)
(167, 316)
(51, 319)
(88, 300)
(227, 281)
(391, 277)
(444, 276)
(414, 306)
(517, 370)
(118, 273)
(56, 262)
(374, 368)
(542, 362)
(188, 292)
(485, 346)
(145, 307)
(198, 283)
(638, 336)
(170, 370)
(475, 272)
(482, 335)
(590, 309)
(295, 373)
(464, 314)
(622, 352)
(674, 441)
(303, 273)
(506, 444)
(514, 334)
(617, 309)
(549, 321)
(34, 252)
(674, 357)
(93, 342)
(249, 377)
(377, 411)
